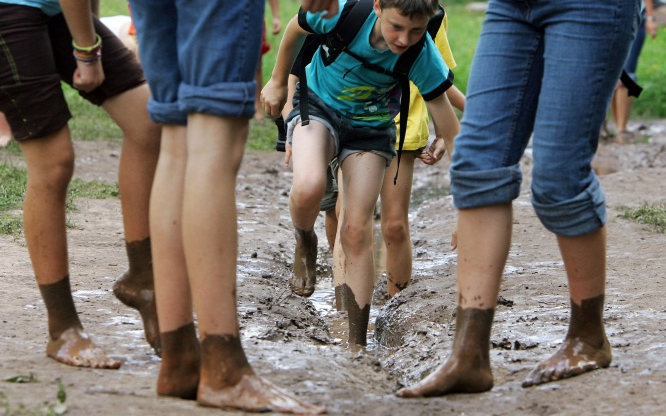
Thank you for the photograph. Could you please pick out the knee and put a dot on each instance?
(53, 176)
(395, 230)
(306, 193)
(355, 238)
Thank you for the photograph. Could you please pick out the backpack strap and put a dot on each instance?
(352, 17)
(401, 72)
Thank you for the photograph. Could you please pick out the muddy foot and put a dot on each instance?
(140, 295)
(451, 377)
(75, 348)
(574, 357)
(181, 359)
(254, 394)
(304, 278)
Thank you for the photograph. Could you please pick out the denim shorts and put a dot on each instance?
(547, 68)
(348, 139)
(199, 56)
(36, 55)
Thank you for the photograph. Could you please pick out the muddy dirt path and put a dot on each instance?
(297, 343)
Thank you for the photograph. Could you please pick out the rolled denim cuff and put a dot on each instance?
(584, 213)
(166, 113)
(473, 189)
(228, 99)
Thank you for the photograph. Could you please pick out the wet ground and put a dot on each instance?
(299, 343)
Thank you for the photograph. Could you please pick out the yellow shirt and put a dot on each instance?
(417, 133)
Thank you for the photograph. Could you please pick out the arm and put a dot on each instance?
(446, 129)
(651, 25)
(274, 94)
(88, 75)
(456, 97)
(275, 12)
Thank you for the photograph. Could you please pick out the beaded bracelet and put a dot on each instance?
(88, 58)
(88, 49)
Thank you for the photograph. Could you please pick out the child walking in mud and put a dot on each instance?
(395, 197)
(350, 118)
(62, 41)
(203, 96)
(517, 90)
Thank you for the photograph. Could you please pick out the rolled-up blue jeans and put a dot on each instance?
(547, 68)
(199, 56)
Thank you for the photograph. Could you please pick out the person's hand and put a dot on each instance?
(277, 26)
(651, 27)
(273, 97)
(287, 154)
(314, 6)
(433, 153)
(88, 76)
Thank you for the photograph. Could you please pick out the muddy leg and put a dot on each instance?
(467, 370)
(304, 278)
(228, 381)
(181, 356)
(68, 343)
(358, 317)
(135, 288)
(584, 349)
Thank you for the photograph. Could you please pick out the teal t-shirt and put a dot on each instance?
(364, 96)
(50, 7)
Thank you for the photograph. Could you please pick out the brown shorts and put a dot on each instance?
(36, 54)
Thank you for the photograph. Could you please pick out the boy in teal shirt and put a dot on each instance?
(351, 114)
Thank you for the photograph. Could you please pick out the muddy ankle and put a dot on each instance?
(181, 360)
(135, 288)
(358, 318)
(304, 276)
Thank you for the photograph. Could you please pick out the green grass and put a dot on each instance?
(12, 192)
(653, 215)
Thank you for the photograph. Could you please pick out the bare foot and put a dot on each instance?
(143, 300)
(135, 288)
(181, 359)
(254, 394)
(467, 370)
(454, 376)
(75, 348)
(574, 357)
(304, 278)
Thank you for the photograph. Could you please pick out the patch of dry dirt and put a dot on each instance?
(296, 343)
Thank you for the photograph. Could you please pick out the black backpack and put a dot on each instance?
(332, 44)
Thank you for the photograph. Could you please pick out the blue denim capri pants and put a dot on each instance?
(199, 56)
(547, 68)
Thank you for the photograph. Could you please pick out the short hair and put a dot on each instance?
(412, 8)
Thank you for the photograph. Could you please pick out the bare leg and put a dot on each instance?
(621, 110)
(50, 163)
(312, 150)
(339, 278)
(356, 234)
(135, 177)
(179, 371)
(395, 224)
(484, 241)
(210, 238)
(5, 131)
(585, 347)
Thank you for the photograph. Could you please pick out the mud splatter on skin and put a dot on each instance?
(304, 278)
(340, 298)
(181, 360)
(135, 288)
(60, 307)
(228, 381)
(584, 349)
(358, 318)
(68, 343)
(467, 370)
